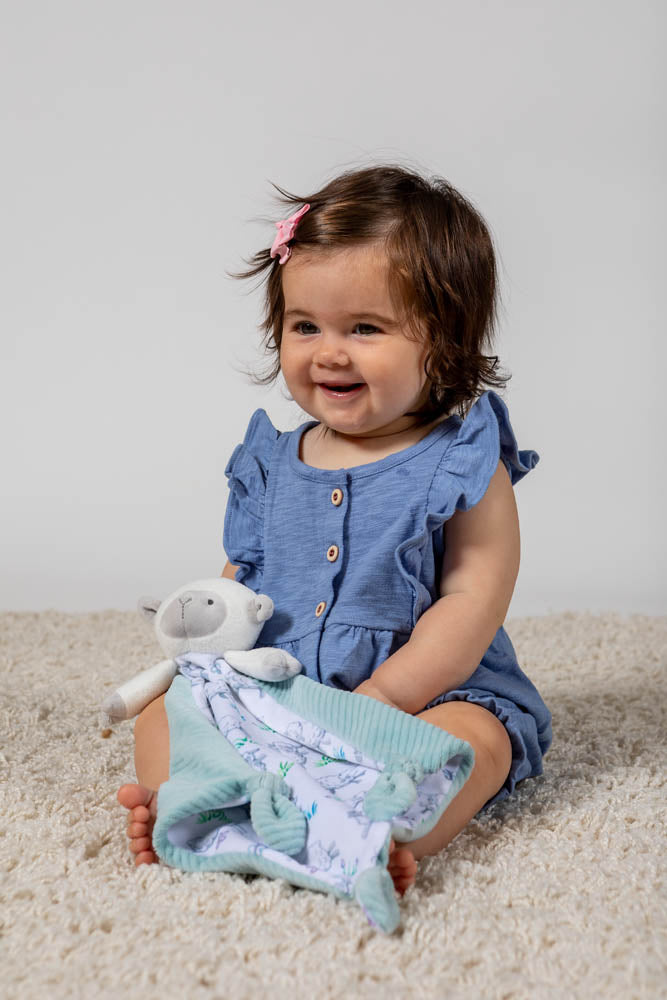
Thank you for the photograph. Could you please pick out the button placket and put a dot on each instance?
(336, 521)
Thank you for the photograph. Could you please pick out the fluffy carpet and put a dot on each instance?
(557, 892)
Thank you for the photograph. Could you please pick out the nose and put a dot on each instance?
(330, 350)
(185, 599)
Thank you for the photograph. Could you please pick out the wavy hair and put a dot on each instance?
(442, 271)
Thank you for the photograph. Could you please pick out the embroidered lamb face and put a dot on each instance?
(208, 616)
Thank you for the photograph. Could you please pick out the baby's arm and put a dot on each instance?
(479, 571)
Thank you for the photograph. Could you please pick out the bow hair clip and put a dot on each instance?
(286, 229)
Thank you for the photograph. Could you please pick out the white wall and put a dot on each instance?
(139, 140)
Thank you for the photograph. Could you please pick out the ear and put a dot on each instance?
(263, 606)
(148, 607)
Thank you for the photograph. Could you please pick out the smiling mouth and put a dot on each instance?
(341, 390)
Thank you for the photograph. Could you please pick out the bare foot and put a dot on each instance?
(142, 804)
(402, 867)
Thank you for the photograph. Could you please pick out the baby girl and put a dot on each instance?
(385, 528)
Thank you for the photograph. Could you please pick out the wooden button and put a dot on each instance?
(337, 497)
(320, 608)
(332, 553)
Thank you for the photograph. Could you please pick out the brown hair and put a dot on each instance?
(442, 268)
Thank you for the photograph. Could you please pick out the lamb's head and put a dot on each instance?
(207, 616)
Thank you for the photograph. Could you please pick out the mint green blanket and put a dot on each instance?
(297, 780)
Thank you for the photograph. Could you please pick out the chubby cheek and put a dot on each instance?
(294, 369)
(411, 369)
(286, 356)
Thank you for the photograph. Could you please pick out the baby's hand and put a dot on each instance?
(266, 664)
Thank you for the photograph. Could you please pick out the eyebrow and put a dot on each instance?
(384, 320)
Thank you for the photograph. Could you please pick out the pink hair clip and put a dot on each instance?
(286, 229)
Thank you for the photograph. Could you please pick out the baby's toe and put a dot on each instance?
(139, 844)
(139, 814)
(403, 858)
(402, 867)
(137, 830)
(146, 858)
(133, 795)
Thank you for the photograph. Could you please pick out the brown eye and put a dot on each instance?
(301, 327)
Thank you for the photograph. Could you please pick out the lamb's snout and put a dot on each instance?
(193, 614)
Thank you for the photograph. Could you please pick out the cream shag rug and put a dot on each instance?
(557, 892)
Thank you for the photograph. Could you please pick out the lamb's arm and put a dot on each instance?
(135, 694)
(266, 663)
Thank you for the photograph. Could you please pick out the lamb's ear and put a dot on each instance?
(148, 607)
(262, 606)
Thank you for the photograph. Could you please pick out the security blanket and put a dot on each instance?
(286, 778)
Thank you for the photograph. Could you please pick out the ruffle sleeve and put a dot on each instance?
(459, 483)
(247, 471)
(484, 437)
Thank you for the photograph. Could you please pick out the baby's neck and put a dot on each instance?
(323, 448)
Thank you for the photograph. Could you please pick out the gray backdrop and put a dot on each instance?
(139, 140)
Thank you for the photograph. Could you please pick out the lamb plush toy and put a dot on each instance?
(273, 773)
(216, 616)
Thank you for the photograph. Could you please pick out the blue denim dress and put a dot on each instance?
(352, 557)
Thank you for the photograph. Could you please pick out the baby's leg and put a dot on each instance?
(493, 756)
(151, 762)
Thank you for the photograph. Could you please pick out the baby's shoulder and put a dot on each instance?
(260, 431)
(483, 438)
(249, 463)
